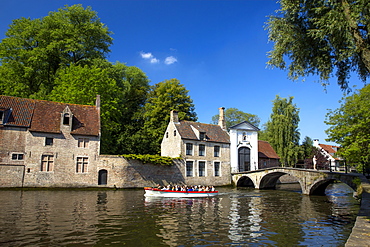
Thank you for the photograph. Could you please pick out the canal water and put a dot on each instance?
(237, 217)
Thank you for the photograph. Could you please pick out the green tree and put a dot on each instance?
(34, 51)
(234, 116)
(164, 97)
(282, 130)
(123, 92)
(135, 93)
(349, 127)
(321, 37)
(307, 152)
(307, 148)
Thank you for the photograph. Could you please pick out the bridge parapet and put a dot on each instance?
(311, 181)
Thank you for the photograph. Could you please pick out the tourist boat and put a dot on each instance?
(149, 191)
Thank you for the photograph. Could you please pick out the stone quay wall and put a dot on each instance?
(120, 173)
(123, 173)
(360, 235)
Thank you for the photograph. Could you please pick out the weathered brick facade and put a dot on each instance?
(48, 144)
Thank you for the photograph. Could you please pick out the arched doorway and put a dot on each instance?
(103, 177)
(244, 159)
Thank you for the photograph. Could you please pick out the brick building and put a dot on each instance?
(47, 144)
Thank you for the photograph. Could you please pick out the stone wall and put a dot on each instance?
(11, 175)
(134, 174)
(65, 152)
(121, 173)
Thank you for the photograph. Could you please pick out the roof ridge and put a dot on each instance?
(198, 122)
(44, 100)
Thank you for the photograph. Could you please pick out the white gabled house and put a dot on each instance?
(205, 149)
(243, 147)
(329, 152)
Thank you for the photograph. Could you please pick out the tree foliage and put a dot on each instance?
(234, 116)
(34, 51)
(282, 130)
(307, 148)
(321, 37)
(349, 127)
(164, 97)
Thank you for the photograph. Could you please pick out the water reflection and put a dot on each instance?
(235, 217)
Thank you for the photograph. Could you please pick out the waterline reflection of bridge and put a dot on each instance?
(312, 182)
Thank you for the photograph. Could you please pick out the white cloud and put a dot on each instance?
(146, 55)
(149, 56)
(154, 60)
(170, 60)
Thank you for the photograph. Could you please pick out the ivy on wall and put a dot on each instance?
(152, 159)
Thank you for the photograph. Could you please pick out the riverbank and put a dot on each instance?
(360, 235)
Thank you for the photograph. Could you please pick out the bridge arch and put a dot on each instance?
(245, 181)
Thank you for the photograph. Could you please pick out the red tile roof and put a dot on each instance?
(214, 133)
(20, 110)
(266, 151)
(45, 116)
(330, 149)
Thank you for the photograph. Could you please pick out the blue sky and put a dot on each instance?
(217, 49)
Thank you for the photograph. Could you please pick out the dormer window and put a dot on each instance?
(202, 135)
(66, 118)
(1, 117)
(4, 115)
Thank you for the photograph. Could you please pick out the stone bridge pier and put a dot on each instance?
(312, 182)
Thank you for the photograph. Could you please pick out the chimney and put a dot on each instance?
(97, 101)
(221, 119)
(174, 116)
(316, 142)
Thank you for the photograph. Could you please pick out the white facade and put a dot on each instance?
(243, 147)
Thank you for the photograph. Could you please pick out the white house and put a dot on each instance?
(329, 152)
(243, 147)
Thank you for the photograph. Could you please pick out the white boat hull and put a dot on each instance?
(183, 194)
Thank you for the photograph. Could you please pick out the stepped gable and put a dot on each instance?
(45, 116)
(214, 133)
(266, 151)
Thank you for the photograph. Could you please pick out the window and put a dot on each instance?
(202, 150)
(202, 135)
(202, 168)
(81, 166)
(189, 168)
(244, 136)
(1, 117)
(66, 117)
(174, 133)
(83, 142)
(217, 151)
(17, 156)
(166, 134)
(217, 169)
(49, 141)
(47, 163)
(189, 149)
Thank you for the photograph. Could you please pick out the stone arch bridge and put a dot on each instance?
(312, 182)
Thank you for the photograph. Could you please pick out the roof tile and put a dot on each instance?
(45, 116)
(214, 133)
